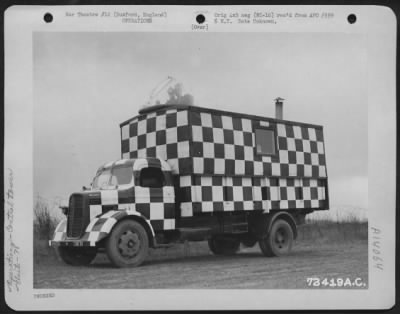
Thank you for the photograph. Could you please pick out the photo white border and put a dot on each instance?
(378, 24)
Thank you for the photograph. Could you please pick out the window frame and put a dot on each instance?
(110, 169)
(98, 174)
(269, 128)
(122, 166)
(164, 183)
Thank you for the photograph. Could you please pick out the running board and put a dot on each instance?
(194, 234)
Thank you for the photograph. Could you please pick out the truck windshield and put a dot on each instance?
(118, 175)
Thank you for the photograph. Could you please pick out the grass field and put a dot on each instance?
(323, 249)
(192, 266)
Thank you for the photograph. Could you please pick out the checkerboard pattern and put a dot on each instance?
(200, 194)
(196, 141)
(164, 134)
(214, 154)
(288, 193)
(97, 229)
(155, 204)
(101, 226)
(60, 232)
(106, 207)
(225, 145)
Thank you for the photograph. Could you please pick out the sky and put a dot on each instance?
(86, 84)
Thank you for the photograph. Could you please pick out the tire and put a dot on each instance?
(223, 245)
(279, 240)
(128, 244)
(76, 256)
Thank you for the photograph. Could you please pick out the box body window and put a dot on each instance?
(265, 142)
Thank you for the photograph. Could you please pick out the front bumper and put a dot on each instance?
(71, 243)
(97, 230)
(60, 238)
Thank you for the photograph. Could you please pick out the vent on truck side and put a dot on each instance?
(76, 219)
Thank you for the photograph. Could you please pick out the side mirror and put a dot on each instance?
(84, 188)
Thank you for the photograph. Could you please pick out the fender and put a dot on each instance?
(60, 232)
(264, 223)
(98, 228)
(285, 216)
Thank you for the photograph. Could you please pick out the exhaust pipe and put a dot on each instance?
(279, 108)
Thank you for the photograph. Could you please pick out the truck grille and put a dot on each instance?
(77, 216)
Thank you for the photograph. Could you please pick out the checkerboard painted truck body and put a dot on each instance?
(218, 180)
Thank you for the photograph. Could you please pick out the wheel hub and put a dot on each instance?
(280, 239)
(129, 244)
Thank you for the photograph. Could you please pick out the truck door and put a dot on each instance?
(155, 197)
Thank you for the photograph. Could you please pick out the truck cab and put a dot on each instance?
(136, 192)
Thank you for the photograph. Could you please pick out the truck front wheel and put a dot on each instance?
(128, 244)
(223, 245)
(279, 239)
(76, 256)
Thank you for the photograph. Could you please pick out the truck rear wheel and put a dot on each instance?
(76, 256)
(279, 240)
(223, 245)
(128, 244)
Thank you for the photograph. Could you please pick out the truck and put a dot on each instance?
(189, 173)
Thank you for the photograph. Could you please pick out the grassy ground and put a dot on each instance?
(323, 249)
(194, 267)
(44, 225)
